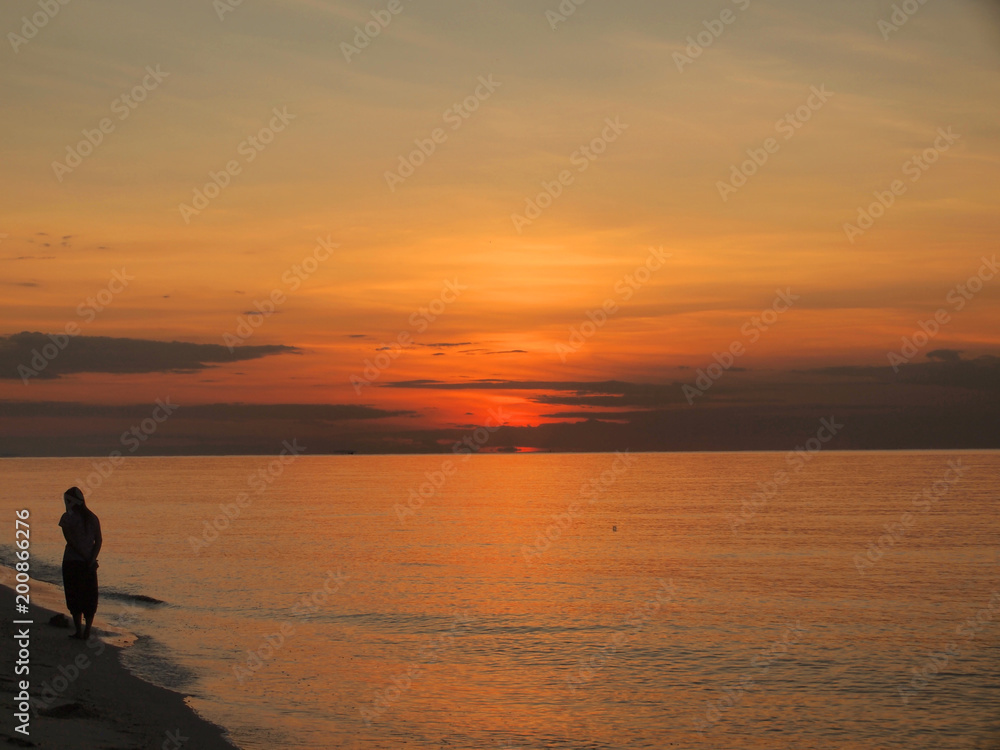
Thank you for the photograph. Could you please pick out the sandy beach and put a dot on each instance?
(82, 696)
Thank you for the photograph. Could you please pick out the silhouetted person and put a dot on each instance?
(82, 530)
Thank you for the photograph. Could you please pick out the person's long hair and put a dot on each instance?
(89, 517)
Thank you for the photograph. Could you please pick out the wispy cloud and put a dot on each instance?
(119, 355)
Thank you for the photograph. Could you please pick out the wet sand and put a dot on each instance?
(85, 699)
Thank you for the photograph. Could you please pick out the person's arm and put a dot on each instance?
(71, 543)
(98, 541)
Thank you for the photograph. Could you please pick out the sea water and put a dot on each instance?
(755, 600)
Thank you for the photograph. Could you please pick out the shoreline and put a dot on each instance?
(82, 696)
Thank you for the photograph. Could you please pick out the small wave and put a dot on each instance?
(127, 597)
(48, 572)
(41, 570)
(152, 661)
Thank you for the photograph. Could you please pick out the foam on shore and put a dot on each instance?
(82, 696)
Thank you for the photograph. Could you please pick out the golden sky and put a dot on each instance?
(366, 178)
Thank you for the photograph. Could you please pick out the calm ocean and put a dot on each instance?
(537, 601)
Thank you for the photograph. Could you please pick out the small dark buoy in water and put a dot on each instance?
(614, 528)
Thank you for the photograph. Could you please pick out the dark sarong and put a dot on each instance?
(80, 585)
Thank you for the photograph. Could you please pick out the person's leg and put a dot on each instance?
(69, 587)
(90, 608)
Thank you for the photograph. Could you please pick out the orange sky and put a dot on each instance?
(551, 92)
